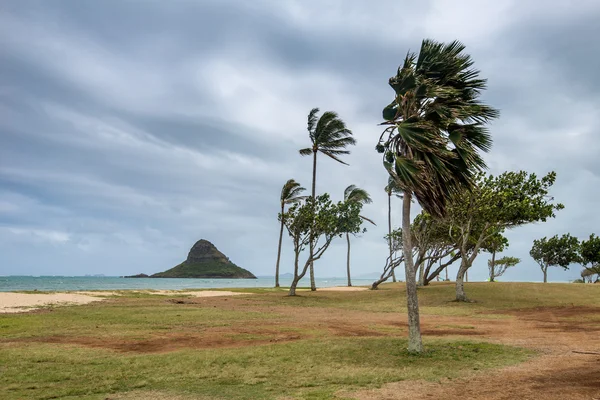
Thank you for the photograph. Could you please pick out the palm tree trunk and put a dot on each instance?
(313, 286)
(390, 231)
(279, 249)
(348, 260)
(415, 344)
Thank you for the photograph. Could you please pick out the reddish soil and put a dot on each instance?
(558, 374)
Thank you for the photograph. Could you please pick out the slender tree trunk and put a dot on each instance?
(390, 231)
(421, 281)
(313, 286)
(296, 276)
(467, 275)
(493, 267)
(279, 250)
(415, 344)
(348, 260)
(460, 285)
(447, 279)
(545, 269)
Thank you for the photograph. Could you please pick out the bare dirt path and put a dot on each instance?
(558, 374)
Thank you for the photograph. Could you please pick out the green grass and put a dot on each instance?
(437, 299)
(316, 365)
(304, 369)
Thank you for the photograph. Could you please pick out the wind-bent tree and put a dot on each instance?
(395, 258)
(496, 243)
(555, 252)
(499, 266)
(433, 247)
(330, 136)
(435, 130)
(493, 205)
(317, 222)
(361, 197)
(590, 258)
(290, 194)
(391, 188)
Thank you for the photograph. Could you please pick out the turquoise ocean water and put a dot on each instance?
(67, 283)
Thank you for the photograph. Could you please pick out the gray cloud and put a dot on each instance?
(130, 130)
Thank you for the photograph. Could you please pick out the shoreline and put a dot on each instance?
(18, 302)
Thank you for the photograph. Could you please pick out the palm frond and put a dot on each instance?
(290, 192)
(340, 143)
(436, 125)
(355, 194)
(333, 155)
(306, 152)
(312, 121)
(367, 219)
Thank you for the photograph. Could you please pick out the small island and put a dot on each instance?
(204, 261)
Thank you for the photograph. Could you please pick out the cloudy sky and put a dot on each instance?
(131, 129)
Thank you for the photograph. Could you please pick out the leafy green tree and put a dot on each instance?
(391, 188)
(435, 130)
(590, 257)
(290, 194)
(494, 204)
(555, 252)
(432, 245)
(315, 224)
(361, 197)
(498, 267)
(496, 243)
(330, 136)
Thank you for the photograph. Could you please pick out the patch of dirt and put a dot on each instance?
(549, 378)
(175, 341)
(559, 374)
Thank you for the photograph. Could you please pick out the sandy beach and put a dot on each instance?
(23, 302)
(20, 302)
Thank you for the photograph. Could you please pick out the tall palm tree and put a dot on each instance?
(391, 188)
(355, 195)
(435, 130)
(290, 194)
(330, 136)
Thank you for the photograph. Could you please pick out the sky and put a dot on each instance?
(131, 129)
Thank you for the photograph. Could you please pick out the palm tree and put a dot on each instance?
(290, 194)
(329, 136)
(355, 195)
(391, 188)
(435, 130)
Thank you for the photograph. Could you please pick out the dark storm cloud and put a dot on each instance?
(131, 129)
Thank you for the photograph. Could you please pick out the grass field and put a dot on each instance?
(266, 345)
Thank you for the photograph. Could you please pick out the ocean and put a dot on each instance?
(69, 283)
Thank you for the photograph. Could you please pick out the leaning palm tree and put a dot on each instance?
(290, 194)
(391, 188)
(329, 136)
(435, 130)
(354, 194)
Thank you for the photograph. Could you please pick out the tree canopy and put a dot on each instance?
(316, 223)
(558, 251)
(495, 204)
